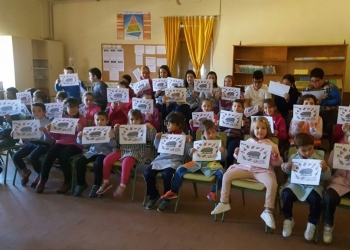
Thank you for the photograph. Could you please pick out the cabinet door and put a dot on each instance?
(56, 63)
(23, 63)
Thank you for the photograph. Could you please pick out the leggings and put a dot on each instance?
(127, 164)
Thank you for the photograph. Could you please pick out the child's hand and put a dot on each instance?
(158, 136)
(222, 150)
(111, 135)
(213, 92)
(190, 121)
(149, 125)
(80, 134)
(345, 127)
(236, 151)
(312, 125)
(139, 93)
(164, 99)
(79, 126)
(11, 134)
(116, 127)
(287, 97)
(300, 124)
(275, 132)
(149, 116)
(188, 138)
(220, 95)
(242, 96)
(192, 151)
(113, 105)
(243, 123)
(43, 129)
(7, 118)
(288, 166)
(48, 127)
(324, 166)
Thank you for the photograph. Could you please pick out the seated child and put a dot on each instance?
(151, 118)
(96, 154)
(60, 96)
(206, 107)
(291, 193)
(180, 107)
(208, 129)
(311, 128)
(165, 163)
(260, 133)
(90, 108)
(34, 148)
(40, 96)
(234, 136)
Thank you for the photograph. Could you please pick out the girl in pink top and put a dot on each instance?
(206, 107)
(145, 74)
(153, 119)
(65, 147)
(90, 108)
(260, 133)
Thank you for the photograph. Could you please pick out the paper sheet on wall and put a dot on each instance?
(139, 59)
(137, 74)
(120, 59)
(105, 58)
(150, 49)
(161, 61)
(161, 50)
(139, 49)
(114, 74)
(151, 63)
(113, 64)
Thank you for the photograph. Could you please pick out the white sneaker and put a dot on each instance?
(310, 231)
(220, 208)
(268, 218)
(287, 227)
(328, 234)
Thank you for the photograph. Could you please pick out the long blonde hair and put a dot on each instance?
(263, 120)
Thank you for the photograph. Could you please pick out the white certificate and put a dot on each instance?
(144, 105)
(159, 83)
(24, 97)
(69, 79)
(306, 113)
(176, 95)
(203, 85)
(230, 93)
(96, 134)
(278, 89)
(25, 129)
(229, 119)
(319, 94)
(132, 134)
(198, 117)
(118, 95)
(172, 144)
(137, 74)
(10, 107)
(254, 154)
(64, 125)
(343, 115)
(207, 150)
(341, 159)
(54, 110)
(307, 172)
(269, 118)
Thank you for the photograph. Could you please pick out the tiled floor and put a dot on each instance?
(51, 221)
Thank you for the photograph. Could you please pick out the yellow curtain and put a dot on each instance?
(198, 32)
(172, 37)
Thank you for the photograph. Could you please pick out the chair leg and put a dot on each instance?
(243, 197)
(216, 196)
(223, 217)
(6, 165)
(177, 200)
(134, 184)
(268, 229)
(195, 189)
(144, 197)
(14, 177)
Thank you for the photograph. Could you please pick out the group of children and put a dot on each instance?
(177, 119)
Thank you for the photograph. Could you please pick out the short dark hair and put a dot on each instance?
(127, 77)
(12, 90)
(61, 95)
(317, 72)
(136, 113)
(176, 118)
(240, 101)
(124, 83)
(303, 139)
(307, 96)
(42, 95)
(190, 71)
(270, 102)
(206, 125)
(69, 68)
(31, 90)
(40, 105)
(96, 72)
(258, 74)
(166, 68)
(70, 102)
(290, 78)
(102, 113)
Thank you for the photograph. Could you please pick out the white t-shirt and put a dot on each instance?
(257, 97)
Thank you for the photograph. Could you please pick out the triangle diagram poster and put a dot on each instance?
(133, 26)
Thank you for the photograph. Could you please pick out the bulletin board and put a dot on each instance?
(131, 55)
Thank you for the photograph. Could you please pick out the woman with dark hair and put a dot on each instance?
(191, 95)
(214, 96)
(164, 72)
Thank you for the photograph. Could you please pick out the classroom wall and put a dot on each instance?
(83, 26)
(24, 18)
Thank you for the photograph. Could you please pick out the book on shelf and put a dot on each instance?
(319, 58)
(266, 69)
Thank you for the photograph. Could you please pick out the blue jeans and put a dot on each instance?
(181, 171)
(150, 177)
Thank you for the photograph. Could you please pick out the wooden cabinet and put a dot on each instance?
(287, 59)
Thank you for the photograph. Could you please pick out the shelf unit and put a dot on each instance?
(283, 58)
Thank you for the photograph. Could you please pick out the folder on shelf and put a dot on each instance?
(301, 71)
(301, 84)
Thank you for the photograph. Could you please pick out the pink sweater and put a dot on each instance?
(279, 124)
(90, 112)
(155, 119)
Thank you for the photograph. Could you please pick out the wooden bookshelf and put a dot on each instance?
(285, 59)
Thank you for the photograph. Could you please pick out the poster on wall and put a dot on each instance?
(134, 26)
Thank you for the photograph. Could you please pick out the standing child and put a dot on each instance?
(72, 91)
(208, 129)
(291, 193)
(312, 128)
(234, 136)
(165, 163)
(205, 107)
(90, 108)
(96, 154)
(65, 147)
(279, 124)
(214, 95)
(260, 133)
(191, 96)
(34, 148)
(128, 154)
(164, 72)
(151, 118)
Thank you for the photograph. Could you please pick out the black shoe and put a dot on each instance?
(163, 206)
(0, 170)
(78, 190)
(93, 191)
(153, 202)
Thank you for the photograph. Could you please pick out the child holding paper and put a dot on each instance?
(164, 72)
(72, 91)
(90, 108)
(215, 95)
(191, 96)
(145, 74)
(260, 133)
(312, 194)
(128, 154)
(338, 188)
(205, 107)
(96, 154)
(151, 118)
(208, 129)
(312, 128)
(165, 163)
(226, 104)
(34, 148)
(234, 136)
(65, 147)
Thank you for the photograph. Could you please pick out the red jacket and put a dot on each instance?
(279, 124)
(119, 115)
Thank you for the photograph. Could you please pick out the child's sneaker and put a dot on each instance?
(119, 191)
(287, 227)
(220, 208)
(163, 206)
(153, 202)
(104, 188)
(78, 190)
(310, 231)
(212, 197)
(328, 234)
(268, 218)
(169, 195)
(25, 176)
(93, 191)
